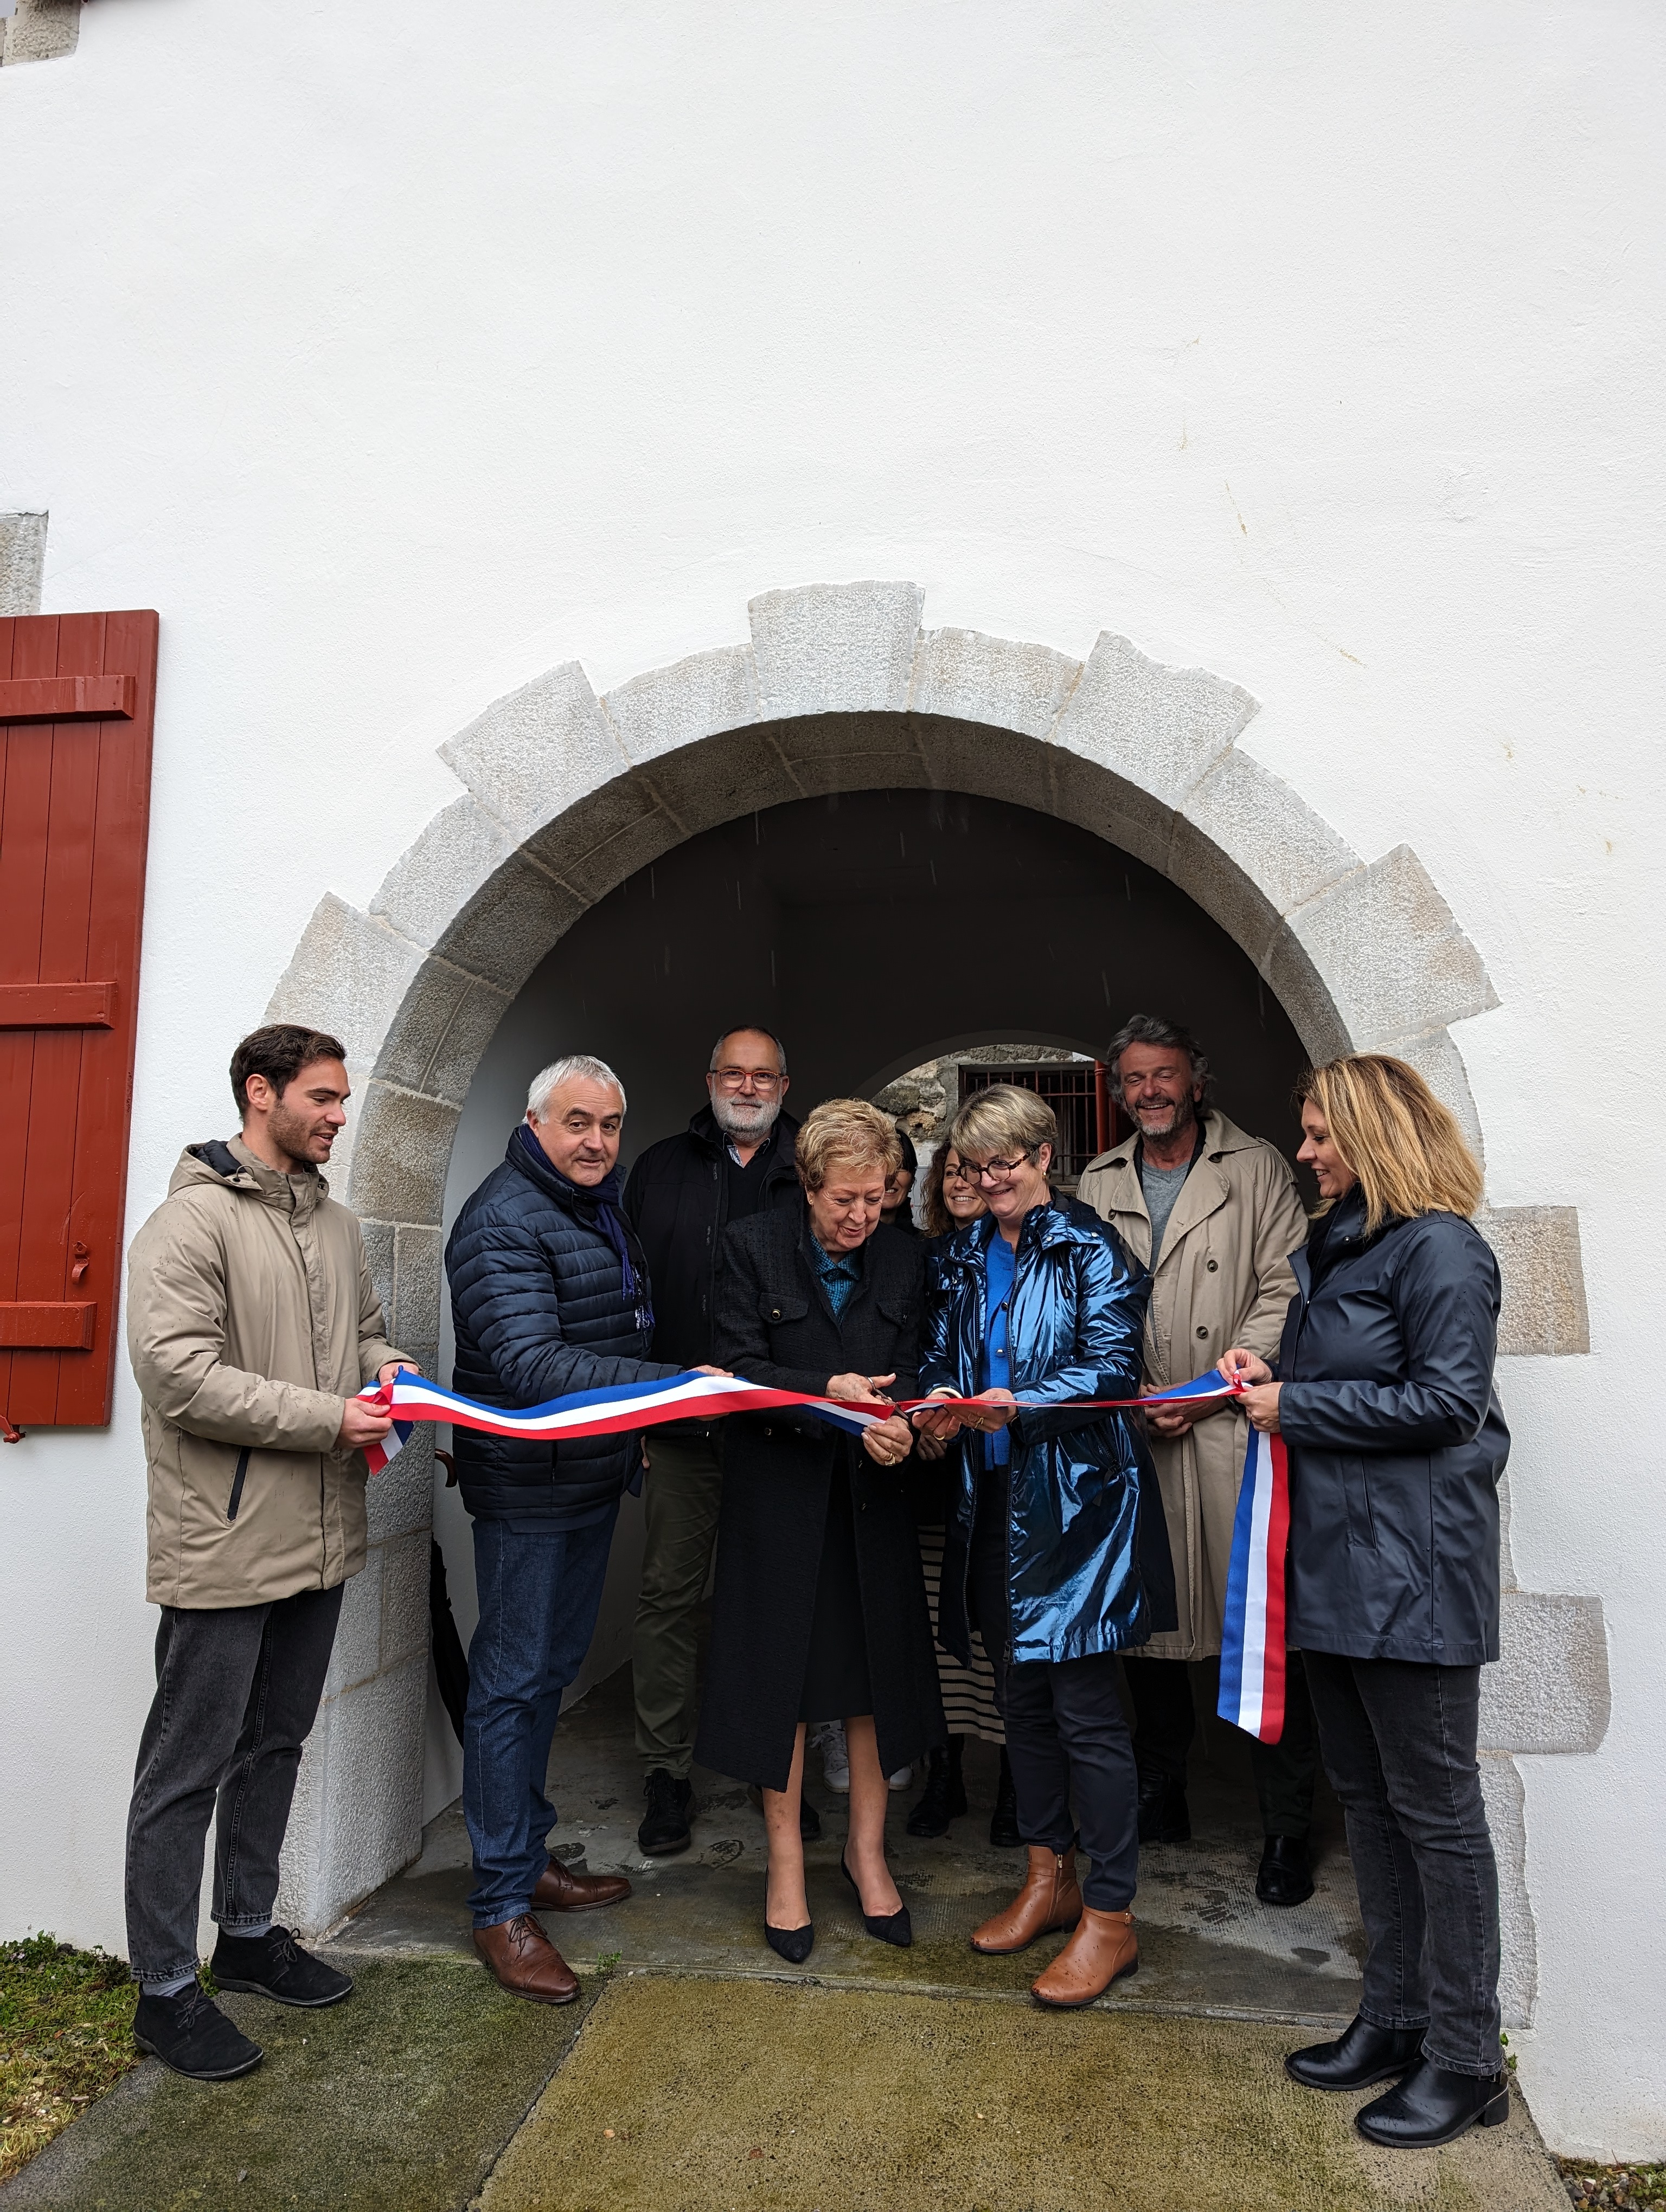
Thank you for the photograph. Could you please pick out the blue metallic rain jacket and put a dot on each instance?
(1088, 1572)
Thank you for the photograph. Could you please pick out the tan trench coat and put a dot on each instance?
(251, 1317)
(1222, 1277)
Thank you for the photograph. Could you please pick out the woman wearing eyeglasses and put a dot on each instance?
(819, 1608)
(1040, 1311)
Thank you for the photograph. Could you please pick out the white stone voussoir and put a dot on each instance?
(1158, 727)
(1544, 1281)
(835, 649)
(1395, 960)
(349, 975)
(1549, 1691)
(692, 699)
(22, 554)
(535, 751)
(995, 681)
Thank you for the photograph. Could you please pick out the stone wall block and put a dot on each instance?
(418, 1285)
(835, 649)
(456, 1054)
(401, 1499)
(348, 974)
(417, 1031)
(511, 922)
(1550, 1689)
(22, 551)
(1066, 784)
(735, 773)
(357, 1653)
(1506, 1820)
(1302, 992)
(378, 1251)
(594, 857)
(995, 680)
(1159, 727)
(41, 31)
(399, 1161)
(1397, 963)
(693, 699)
(358, 1816)
(433, 881)
(1241, 826)
(853, 752)
(404, 1597)
(536, 750)
(1544, 1277)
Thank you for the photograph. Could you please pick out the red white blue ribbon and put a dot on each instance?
(625, 1406)
(1252, 1666)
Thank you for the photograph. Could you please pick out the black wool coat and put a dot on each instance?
(1396, 1438)
(775, 1325)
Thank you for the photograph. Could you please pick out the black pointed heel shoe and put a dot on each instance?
(1362, 2054)
(888, 1927)
(1431, 2106)
(793, 1944)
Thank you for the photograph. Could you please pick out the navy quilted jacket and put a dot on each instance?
(539, 1308)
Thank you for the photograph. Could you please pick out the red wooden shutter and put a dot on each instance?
(77, 699)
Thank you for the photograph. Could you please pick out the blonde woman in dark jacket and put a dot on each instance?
(1383, 1394)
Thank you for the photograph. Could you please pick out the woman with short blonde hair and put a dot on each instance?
(1383, 1394)
(819, 1612)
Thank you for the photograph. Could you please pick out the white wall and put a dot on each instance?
(398, 352)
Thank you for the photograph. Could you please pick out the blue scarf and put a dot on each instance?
(600, 1199)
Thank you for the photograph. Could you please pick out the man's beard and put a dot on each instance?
(1169, 1123)
(291, 1134)
(751, 1120)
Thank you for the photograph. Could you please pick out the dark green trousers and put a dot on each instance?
(1166, 1721)
(680, 1496)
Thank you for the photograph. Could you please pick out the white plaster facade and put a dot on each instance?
(407, 368)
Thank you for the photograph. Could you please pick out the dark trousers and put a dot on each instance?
(237, 1692)
(1067, 1735)
(681, 1499)
(539, 1594)
(1399, 1746)
(1166, 1721)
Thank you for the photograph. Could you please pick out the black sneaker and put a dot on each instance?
(1165, 1815)
(665, 1827)
(190, 2033)
(275, 1965)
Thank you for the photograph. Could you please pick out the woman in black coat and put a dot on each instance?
(1383, 1394)
(820, 1610)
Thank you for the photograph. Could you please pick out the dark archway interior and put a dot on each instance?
(872, 929)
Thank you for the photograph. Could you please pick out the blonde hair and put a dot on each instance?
(1004, 1118)
(1389, 1128)
(846, 1129)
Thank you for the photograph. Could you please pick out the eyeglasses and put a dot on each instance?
(736, 1078)
(971, 1171)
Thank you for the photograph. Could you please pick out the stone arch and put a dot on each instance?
(840, 688)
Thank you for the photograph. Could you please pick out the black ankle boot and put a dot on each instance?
(1285, 1875)
(1362, 2054)
(945, 1794)
(1165, 1815)
(1431, 2106)
(1004, 1820)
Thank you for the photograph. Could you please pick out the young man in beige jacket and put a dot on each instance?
(252, 1325)
(1214, 1214)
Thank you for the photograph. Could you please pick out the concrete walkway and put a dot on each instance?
(875, 2079)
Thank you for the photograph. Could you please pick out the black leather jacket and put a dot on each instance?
(1396, 1440)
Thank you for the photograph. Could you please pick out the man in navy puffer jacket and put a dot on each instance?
(549, 1294)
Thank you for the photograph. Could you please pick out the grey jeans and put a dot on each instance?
(237, 1691)
(1398, 1740)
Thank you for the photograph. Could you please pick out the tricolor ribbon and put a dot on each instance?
(624, 1406)
(1252, 1634)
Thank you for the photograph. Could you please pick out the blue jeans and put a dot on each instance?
(539, 1595)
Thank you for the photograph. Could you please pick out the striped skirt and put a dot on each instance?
(969, 1693)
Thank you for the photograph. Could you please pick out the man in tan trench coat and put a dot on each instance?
(252, 1324)
(1215, 1215)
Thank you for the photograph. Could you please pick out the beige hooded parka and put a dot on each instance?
(1222, 1277)
(251, 1317)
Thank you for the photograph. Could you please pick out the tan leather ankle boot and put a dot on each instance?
(1048, 1900)
(1103, 1949)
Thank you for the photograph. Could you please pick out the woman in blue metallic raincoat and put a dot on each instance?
(1044, 1551)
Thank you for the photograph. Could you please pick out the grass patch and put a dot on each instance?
(1633, 2188)
(66, 2019)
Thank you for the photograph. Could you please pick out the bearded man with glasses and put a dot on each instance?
(735, 1158)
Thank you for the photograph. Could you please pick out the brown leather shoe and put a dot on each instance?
(1103, 1949)
(560, 1890)
(1048, 1900)
(526, 1962)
